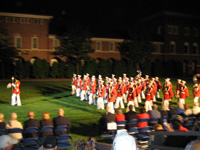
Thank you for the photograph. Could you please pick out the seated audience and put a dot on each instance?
(196, 108)
(7, 142)
(142, 116)
(119, 116)
(46, 122)
(31, 122)
(197, 123)
(124, 141)
(172, 111)
(14, 123)
(180, 110)
(108, 117)
(130, 115)
(60, 121)
(154, 114)
(188, 110)
(50, 143)
(2, 124)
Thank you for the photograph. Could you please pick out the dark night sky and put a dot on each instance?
(99, 15)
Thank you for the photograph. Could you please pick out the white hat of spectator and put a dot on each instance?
(124, 141)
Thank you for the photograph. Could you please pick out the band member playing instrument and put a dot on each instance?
(178, 89)
(111, 96)
(84, 87)
(184, 93)
(101, 94)
(196, 92)
(159, 86)
(92, 88)
(120, 92)
(131, 96)
(148, 97)
(74, 83)
(168, 94)
(78, 86)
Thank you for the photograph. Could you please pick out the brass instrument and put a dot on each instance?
(196, 78)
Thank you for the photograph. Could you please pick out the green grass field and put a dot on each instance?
(42, 96)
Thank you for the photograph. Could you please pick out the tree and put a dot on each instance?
(7, 52)
(76, 44)
(137, 49)
(54, 72)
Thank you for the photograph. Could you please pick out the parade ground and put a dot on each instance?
(49, 95)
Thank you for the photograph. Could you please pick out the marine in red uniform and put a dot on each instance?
(101, 94)
(168, 94)
(184, 93)
(15, 99)
(120, 92)
(92, 88)
(74, 83)
(111, 96)
(131, 96)
(78, 86)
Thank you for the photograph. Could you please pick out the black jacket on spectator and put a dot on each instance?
(130, 115)
(31, 123)
(46, 123)
(2, 125)
(104, 120)
(59, 121)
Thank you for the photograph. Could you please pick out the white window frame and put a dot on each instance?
(32, 42)
(174, 44)
(172, 27)
(186, 44)
(112, 49)
(18, 37)
(100, 46)
(196, 32)
(197, 48)
(54, 43)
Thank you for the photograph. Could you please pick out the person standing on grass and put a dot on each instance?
(15, 99)
(111, 96)
(74, 83)
(184, 93)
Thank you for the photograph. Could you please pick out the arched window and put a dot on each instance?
(194, 67)
(195, 48)
(186, 47)
(54, 60)
(172, 47)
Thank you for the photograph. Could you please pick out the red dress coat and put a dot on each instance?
(120, 90)
(149, 94)
(79, 82)
(101, 91)
(168, 93)
(112, 94)
(131, 94)
(17, 88)
(184, 92)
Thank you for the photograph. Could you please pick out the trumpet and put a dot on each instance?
(196, 78)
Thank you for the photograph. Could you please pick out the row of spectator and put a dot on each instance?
(60, 120)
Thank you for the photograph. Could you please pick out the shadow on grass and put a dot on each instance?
(3, 102)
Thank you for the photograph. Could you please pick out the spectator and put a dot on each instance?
(177, 124)
(164, 112)
(172, 111)
(154, 114)
(46, 122)
(130, 115)
(82, 145)
(119, 116)
(50, 143)
(124, 141)
(2, 124)
(7, 142)
(108, 117)
(14, 123)
(60, 121)
(188, 110)
(142, 116)
(31, 122)
(197, 123)
(180, 110)
(196, 108)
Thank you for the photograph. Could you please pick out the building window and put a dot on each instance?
(186, 47)
(18, 42)
(111, 46)
(186, 31)
(172, 29)
(156, 48)
(172, 47)
(195, 48)
(56, 43)
(98, 46)
(1, 18)
(195, 32)
(159, 30)
(34, 43)
(8, 19)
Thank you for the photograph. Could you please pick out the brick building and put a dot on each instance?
(176, 39)
(30, 34)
